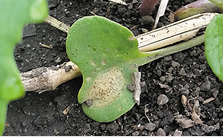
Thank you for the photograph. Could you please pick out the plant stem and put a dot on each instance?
(48, 78)
(3, 112)
(156, 54)
(197, 7)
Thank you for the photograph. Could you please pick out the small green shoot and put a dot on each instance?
(197, 7)
(218, 2)
(107, 55)
(214, 45)
(13, 16)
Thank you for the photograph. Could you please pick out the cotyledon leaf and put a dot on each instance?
(107, 55)
(14, 14)
(214, 45)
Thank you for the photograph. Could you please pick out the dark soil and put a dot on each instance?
(185, 73)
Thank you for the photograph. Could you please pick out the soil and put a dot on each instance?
(166, 80)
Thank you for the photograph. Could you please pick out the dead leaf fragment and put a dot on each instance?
(208, 100)
(196, 118)
(171, 17)
(137, 87)
(161, 11)
(183, 121)
(196, 107)
(46, 46)
(66, 110)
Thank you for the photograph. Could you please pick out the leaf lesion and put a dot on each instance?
(106, 88)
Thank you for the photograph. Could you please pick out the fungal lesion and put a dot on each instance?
(106, 88)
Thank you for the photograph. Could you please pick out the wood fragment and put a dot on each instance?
(48, 78)
(208, 100)
(188, 103)
(57, 24)
(46, 46)
(196, 107)
(145, 112)
(136, 77)
(196, 118)
(171, 17)
(66, 110)
(183, 121)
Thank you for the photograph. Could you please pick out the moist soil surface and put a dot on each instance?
(182, 75)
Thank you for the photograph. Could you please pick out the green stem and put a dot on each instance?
(156, 54)
(3, 112)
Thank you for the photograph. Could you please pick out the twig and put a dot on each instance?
(67, 109)
(208, 100)
(57, 24)
(136, 77)
(45, 46)
(48, 78)
(145, 111)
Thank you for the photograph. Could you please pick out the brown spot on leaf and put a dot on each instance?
(106, 88)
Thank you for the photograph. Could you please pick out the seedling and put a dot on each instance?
(13, 17)
(214, 45)
(108, 59)
(48, 78)
(199, 6)
(108, 56)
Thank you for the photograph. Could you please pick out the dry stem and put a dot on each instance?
(48, 78)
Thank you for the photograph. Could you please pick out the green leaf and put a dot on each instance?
(107, 55)
(13, 16)
(214, 45)
(3, 111)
